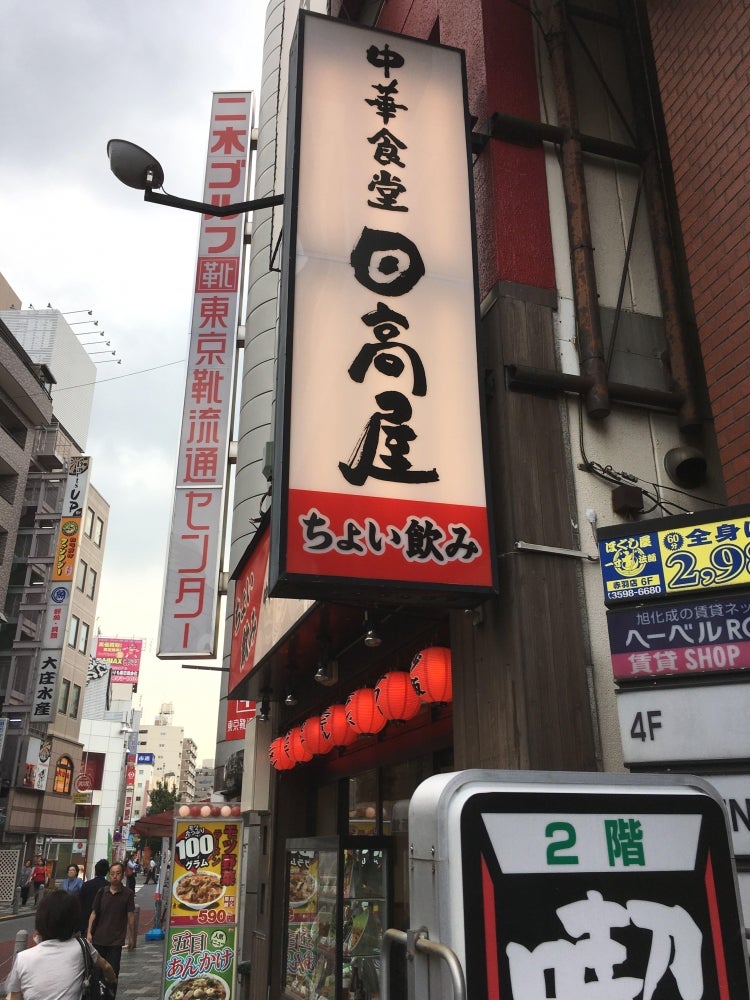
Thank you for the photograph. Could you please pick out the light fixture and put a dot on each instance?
(78, 322)
(372, 639)
(327, 672)
(72, 312)
(291, 699)
(109, 361)
(137, 168)
(264, 709)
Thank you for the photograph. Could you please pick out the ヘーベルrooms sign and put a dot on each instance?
(379, 479)
(191, 587)
(680, 639)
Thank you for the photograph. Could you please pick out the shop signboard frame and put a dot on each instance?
(534, 879)
(697, 638)
(690, 723)
(202, 932)
(704, 552)
(380, 457)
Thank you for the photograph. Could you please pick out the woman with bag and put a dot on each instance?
(54, 970)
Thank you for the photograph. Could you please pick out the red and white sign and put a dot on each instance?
(258, 621)
(239, 713)
(380, 467)
(123, 656)
(191, 590)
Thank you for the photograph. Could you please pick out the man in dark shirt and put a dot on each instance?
(88, 893)
(112, 920)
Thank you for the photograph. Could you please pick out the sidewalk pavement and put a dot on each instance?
(141, 970)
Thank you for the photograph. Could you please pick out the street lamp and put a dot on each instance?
(138, 169)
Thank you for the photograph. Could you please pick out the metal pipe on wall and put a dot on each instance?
(590, 340)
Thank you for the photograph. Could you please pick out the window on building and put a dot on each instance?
(63, 776)
(83, 638)
(98, 531)
(88, 524)
(91, 583)
(75, 701)
(81, 574)
(73, 631)
(62, 705)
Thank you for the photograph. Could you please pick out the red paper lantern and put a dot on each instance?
(431, 674)
(312, 737)
(363, 714)
(278, 756)
(335, 729)
(295, 748)
(396, 696)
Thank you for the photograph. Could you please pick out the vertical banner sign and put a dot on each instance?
(258, 621)
(61, 577)
(572, 886)
(239, 713)
(123, 656)
(189, 614)
(379, 471)
(200, 959)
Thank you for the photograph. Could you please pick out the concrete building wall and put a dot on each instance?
(49, 340)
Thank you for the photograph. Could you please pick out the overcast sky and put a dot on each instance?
(74, 74)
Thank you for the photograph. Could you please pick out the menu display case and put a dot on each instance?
(338, 904)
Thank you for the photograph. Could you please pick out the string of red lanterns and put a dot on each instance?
(397, 697)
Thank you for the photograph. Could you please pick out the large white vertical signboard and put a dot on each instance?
(379, 477)
(189, 613)
(572, 886)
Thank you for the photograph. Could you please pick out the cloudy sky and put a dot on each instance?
(74, 74)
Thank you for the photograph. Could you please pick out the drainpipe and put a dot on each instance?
(589, 331)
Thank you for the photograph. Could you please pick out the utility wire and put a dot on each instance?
(116, 378)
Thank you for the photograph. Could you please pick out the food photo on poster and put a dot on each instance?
(206, 873)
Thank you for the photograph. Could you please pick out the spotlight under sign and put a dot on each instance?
(380, 486)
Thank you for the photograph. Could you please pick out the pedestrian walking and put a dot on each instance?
(151, 872)
(88, 893)
(112, 919)
(38, 876)
(73, 882)
(131, 870)
(24, 881)
(54, 969)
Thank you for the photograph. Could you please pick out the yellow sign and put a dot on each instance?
(683, 555)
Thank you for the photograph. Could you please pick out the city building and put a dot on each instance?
(174, 756)
(108, 730)
(596, 263)
(204, 781)
(49, 588)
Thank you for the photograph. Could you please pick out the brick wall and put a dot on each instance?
(703, 62)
